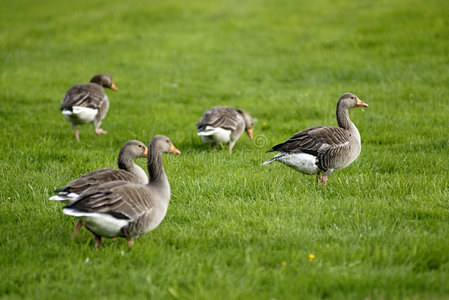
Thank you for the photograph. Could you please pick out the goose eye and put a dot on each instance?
(352, 97)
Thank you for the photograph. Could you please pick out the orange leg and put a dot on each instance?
(77, 228)
(96, 237)
(97, 241)
(77, 134)
(321, 178)
(231, 146)
(99, 131)
(324, 180)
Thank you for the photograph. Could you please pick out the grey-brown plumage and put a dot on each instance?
(223, 125)
(126, 209)
(128, 171)
(322, 149)
(86, 103)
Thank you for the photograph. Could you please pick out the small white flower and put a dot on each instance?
(87, 260)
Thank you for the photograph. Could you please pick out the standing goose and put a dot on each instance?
(125, 209)
(86, 103)
(127, 171)
(223, 125)
(323, 149)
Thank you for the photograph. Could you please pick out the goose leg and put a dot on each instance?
(213, 148)
(77, 228)
(231, 145)
(77, 133)
(321, 178)
(130, 243)
(96, 237)
(324, 180)
(97, 241)
(99, 131)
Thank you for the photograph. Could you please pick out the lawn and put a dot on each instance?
(234, 229)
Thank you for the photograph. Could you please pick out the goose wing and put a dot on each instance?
(87, 95)
(219, 116)
(97, 177)
(121, 199)
(314, 140)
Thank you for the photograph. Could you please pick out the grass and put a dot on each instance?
(234, 229)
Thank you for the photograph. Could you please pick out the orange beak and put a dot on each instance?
(173, 150)
(114, 87)
(361, 103)
(250, 133)
(145, 154)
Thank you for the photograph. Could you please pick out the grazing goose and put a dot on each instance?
(86, 103)
(127, 171)
(125, 209)
(223, 125)
(323, 149)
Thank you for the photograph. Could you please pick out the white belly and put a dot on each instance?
(215, 135)
(102, 224)
(80, 114)
(302, 162)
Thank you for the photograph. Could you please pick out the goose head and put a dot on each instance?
(134, 149)
(105, 80)
(249, 122)
(348, 100)
(162, 144)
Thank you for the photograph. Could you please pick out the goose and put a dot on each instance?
(86, 103)
(323, 149)
(125, 209)
(127, 171)
(224, 125)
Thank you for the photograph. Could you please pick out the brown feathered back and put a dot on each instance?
(220, 116)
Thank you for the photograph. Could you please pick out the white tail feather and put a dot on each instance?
(66, 198)
(215, 134)
(74, 212)
(80, 114)
(269, 161)
(206, 133)
(57, 198)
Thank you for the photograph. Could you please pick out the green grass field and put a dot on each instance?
(234, 229)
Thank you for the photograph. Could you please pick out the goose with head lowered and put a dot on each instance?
(124, 209)
(323, 149)
(87, 103)
(224, 125)
(127, 170)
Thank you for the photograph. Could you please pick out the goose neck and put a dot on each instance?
(155, 168)
(345, 122)
(125, 163)
(343, 117)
